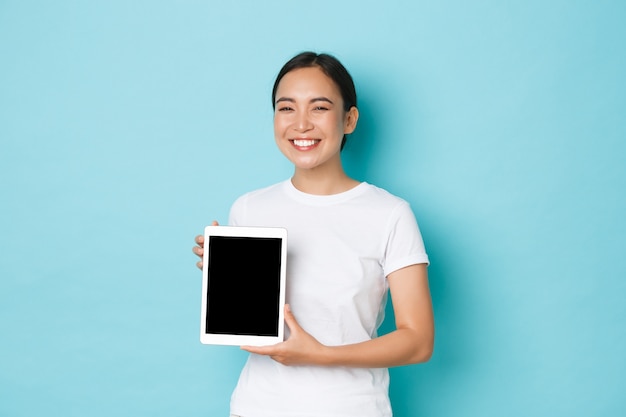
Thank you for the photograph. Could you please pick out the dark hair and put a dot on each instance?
(329, 66)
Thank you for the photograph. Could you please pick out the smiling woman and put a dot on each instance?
(310, 125)
(331, 67)
(349, 244)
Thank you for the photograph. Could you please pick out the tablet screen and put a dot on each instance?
(243, 285)
(243, 275)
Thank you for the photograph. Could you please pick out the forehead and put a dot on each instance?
(307, 81)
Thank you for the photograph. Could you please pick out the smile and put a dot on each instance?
(303, 143)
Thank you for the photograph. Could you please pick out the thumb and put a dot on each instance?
(290, 319)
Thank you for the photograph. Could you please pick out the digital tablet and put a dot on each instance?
(243, 285)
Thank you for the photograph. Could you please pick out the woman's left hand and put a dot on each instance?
(299, 349)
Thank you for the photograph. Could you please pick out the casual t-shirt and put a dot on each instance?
(341, 248)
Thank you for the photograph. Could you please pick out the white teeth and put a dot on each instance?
(304, 142)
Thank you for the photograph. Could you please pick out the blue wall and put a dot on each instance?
(126, 126)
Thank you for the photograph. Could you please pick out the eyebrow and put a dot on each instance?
(313, 100)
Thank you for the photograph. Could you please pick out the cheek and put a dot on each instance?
(276, 126)
(280, 130)
(280, 123)
(340, 123)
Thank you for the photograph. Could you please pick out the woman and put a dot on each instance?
(349, 242)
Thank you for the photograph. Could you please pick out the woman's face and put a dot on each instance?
(309, 119)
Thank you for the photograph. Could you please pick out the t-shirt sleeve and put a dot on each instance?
(405, 245)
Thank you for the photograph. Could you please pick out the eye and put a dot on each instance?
(320, 108)
(285, 109)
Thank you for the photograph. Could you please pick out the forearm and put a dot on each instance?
(400, 347)
(411, 342)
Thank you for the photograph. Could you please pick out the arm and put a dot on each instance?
(411, 342)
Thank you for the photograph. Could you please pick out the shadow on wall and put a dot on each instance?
(419, 389)
(413, 388)
(461, 326)
(359, 153)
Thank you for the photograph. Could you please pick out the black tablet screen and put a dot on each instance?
(243, 285)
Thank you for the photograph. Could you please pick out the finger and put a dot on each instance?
(260, 350)
(200, 238)
(199, 264)
(198, 250)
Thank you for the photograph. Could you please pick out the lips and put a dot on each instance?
(304, 143)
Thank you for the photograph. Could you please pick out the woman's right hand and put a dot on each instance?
(199, 248)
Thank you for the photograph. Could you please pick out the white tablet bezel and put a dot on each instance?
(238, 339)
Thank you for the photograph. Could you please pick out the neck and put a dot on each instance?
(314, 182)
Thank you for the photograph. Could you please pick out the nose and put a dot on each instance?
(303, 123)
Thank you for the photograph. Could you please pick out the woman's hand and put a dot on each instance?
(199, 248)
(299, 349)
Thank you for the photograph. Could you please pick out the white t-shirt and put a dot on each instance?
(340, 249)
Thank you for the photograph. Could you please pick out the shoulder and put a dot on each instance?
(382, 198)
(390, 209)
(255, 203)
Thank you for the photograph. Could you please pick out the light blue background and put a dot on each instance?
(126, 126)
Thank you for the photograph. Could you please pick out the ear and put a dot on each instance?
(352, 116)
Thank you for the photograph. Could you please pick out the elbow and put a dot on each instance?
(423, 354)
(423, 351)
(427, 354)
(420, 345)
